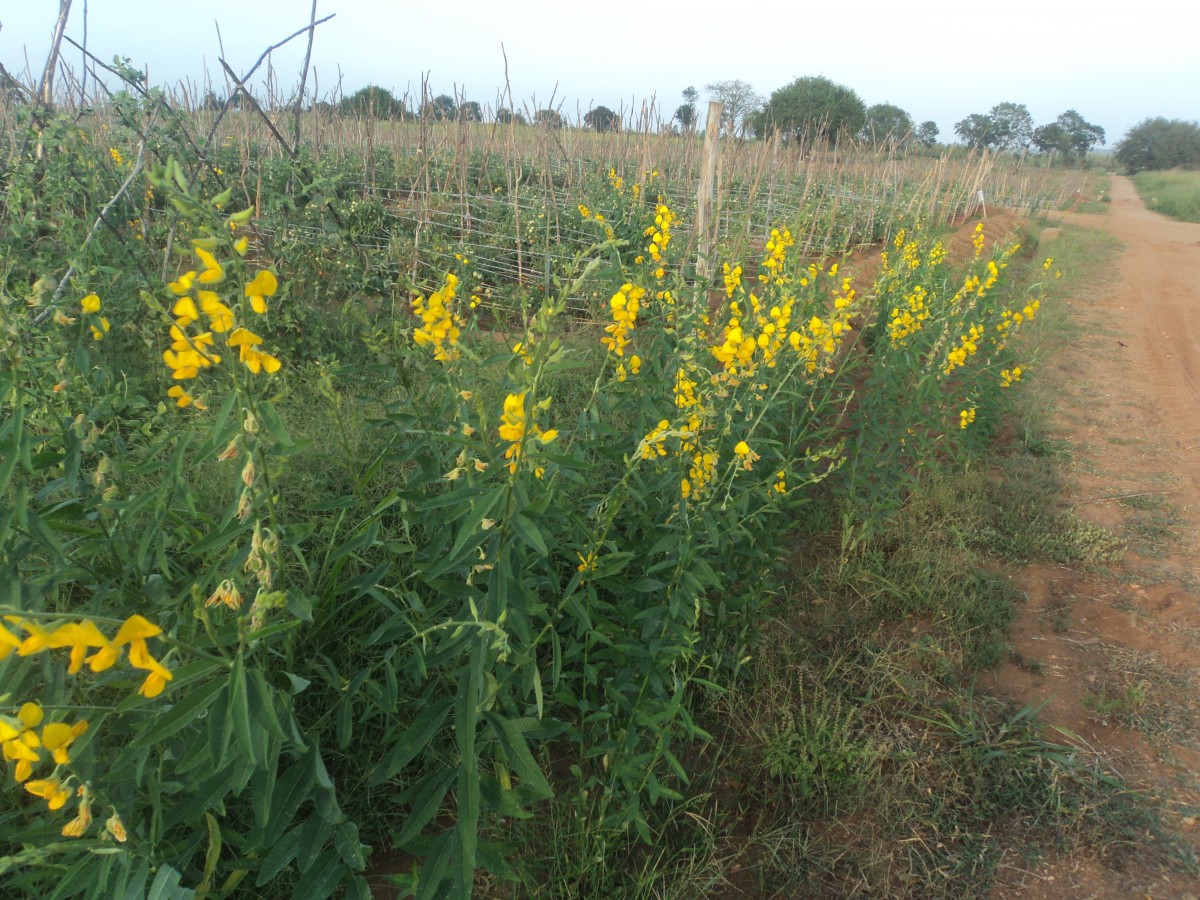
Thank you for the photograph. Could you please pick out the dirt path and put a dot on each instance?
(1114, 651)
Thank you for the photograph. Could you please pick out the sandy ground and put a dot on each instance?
(1114, 650)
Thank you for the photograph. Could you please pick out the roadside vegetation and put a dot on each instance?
(462, 521)
(1175, 193)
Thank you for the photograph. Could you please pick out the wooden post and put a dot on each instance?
(706, 231)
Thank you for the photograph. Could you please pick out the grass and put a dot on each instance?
(1175, 193)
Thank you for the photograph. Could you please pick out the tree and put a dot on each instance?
(1053, 138)
(1012, 127)
(739, 101)
(927, 133)
(505, 116)
(686, 112)
(375, 101)
(470, 111)
(814, 107)
(548, 118)
(887, 125)
(975, 131)
(1083, 134)
(441, 108)
(601, 118)
(1159, 143)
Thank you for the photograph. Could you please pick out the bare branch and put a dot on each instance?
(46, 88)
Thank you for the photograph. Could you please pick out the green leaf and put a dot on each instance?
(427, 795)
(327, 873)
(212, 855)
(239, 710)
(180, 715)
(313, 835)
(345, 839)
(411, 742)
(528, 532)
(282, 853)
(469, 534)
(466, 727)
(437, 866)
(290, 792)
(220, 728)
(262, 705)
(274, 425)
(517, 754)
(166, 885)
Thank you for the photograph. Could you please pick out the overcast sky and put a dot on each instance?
(937, 60)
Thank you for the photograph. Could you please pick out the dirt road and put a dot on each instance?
(1114, 649)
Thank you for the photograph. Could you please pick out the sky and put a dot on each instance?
(938, 60)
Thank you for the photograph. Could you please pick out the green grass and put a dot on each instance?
(1175, 193)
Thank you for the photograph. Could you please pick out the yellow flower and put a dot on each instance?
(263, 286)
(8, 642)
(83, 819)
(50, 790)
(183, 284)
(747, 456)
(80, 637)
(90, 304)
(115, 827)
(140, 658)
(98, 332)
(185, 312)
(213, 273)
(58, 736)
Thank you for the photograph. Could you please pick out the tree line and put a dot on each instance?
(818, 109)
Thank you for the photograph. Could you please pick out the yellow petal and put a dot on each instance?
(136, 628)
(263, 285)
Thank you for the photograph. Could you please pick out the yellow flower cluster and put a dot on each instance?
(909, 319)
(1011, 320)
(25, 747)
(191, 353)
(515, 427)
(746, 456)
(968, 346)
(624, 305)
(978, 239)
(685, 390)
(659, 234)
(757, 336)
(966, 417)
(733, 279)
(91, 306)
(776, 259)
(440, 327)
(83, 636)
(654, 443)
(704, 466)
(780, 485)
(617, 182)
(635, 366)
(1009, 377)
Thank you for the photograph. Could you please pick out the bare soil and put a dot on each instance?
(1113, 651)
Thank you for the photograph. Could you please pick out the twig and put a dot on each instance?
(312, 28)
(254, 68)
(46, 87)
(240, 85)
(1127, 496)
